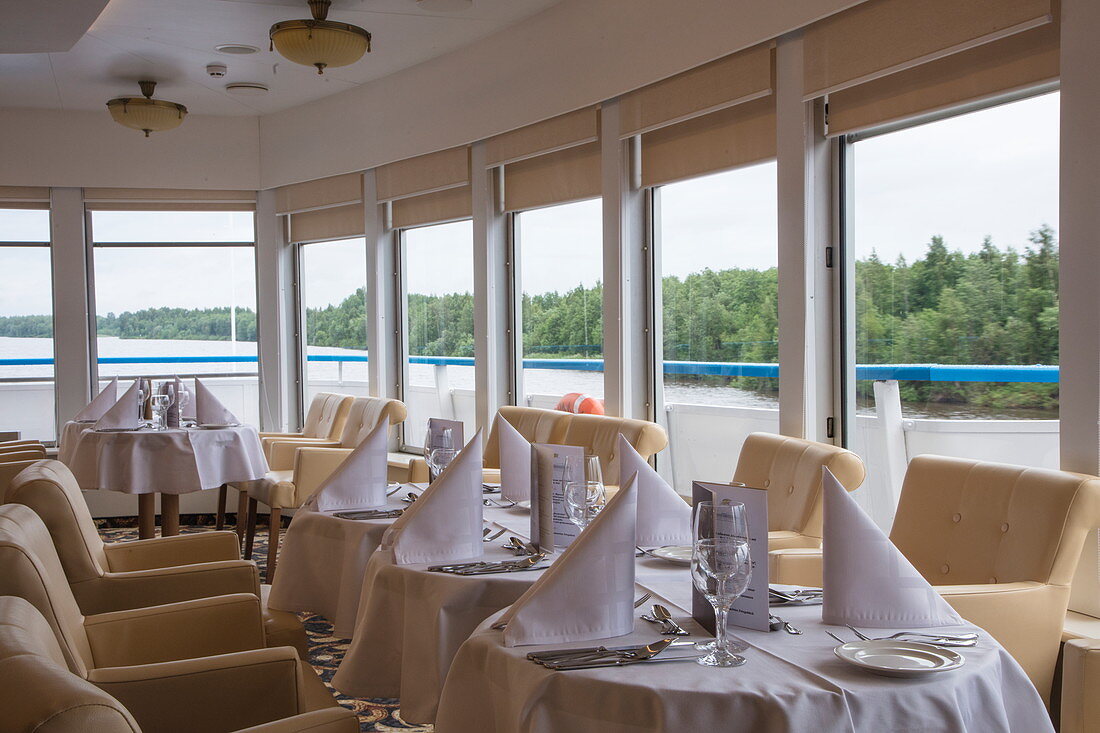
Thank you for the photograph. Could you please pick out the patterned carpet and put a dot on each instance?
(325, 650)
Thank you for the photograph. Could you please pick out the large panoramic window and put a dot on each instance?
(718, 256)
(332, 282)
(438, 270)
(26, 325)
(175, 294)
(955, 247)
(560, 255)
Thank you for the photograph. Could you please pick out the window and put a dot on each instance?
(717, 265)
(27, 399)
(560, 254)
(955, 248)
(438, 367)
(332, 282)
(175, 293)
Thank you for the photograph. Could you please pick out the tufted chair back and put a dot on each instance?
(30, 569)
(790, 469)
(50, 489)
(38, 693)
(536, 424)
(599, 434)
(328, 412)
(365, 413)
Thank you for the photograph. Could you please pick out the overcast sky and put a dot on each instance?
(993, 172)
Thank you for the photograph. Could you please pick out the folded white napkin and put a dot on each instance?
(515, 462)
(209, 410)
(102, 402)
(445, 523)
(360, 481)
(588, 593)
(123, 415)
(663, 517)
(867, 581)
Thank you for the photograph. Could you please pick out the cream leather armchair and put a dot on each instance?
(38, 692)
(212, 649)
(22, 446)
(790, 470)
(325, 420)
(1080, 712)
(297, 468)
(12, 463)
(125, 575)
(999, 542)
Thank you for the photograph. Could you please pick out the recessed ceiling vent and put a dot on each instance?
(237, 49)
(246, 89)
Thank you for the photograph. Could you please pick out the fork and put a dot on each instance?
(490, 537)
(645, 597)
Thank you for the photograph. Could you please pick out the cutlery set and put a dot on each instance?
(370, 514)
(797, 597)
(663, 617)
(943, 640)
(489, 568)
(601, 656)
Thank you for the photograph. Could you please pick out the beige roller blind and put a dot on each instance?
(729, 138)
(320, 194)
(557, 133)
(24, 197)
(168, 199)
(1018, 62)
(741, 77)
(556, 178)
(432, 208)
(335, 222)
(885, 36)
(423, 174)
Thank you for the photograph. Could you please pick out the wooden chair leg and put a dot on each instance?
(273, 541)
(147, 516)
(219, 523)
(169, 515)
(242, 513)
(250, 529)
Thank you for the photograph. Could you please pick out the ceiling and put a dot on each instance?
(172, 41)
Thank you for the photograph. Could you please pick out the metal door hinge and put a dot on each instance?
(830, 427)
(828, 256)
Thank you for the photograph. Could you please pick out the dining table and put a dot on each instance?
(169, 462)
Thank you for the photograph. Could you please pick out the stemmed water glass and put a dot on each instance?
(721, 568)
(584, 489)
(183, 398)
(161, 403)
(440, 454)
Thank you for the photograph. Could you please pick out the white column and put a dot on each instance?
(627, 350)
(277, 320)
(73, 307)
(493, 336)
(383, 334)
(805, 307)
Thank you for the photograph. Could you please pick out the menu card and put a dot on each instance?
(436, 426)
(751, 610)
(551, 528)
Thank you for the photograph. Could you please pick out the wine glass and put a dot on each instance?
(721, 568)
(161, 403)
(142, 395)
(440, 454)
(183, 398)
(584, 490)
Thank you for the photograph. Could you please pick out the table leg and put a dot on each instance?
(147, 516)
(242, 512)
(169, 515)
(219, 523)
(250, 531)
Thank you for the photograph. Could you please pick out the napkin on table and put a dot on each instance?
(124, 414)
(209, 410)
(663, 517)
(515, 462)
(588, 593)
(445, 523)
(867, 581)
(100, 404)
(360, 481)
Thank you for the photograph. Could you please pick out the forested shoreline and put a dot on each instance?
(992, 306)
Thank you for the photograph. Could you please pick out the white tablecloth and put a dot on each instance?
(790, 683)
(175, 461)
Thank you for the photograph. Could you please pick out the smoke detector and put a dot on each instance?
(216, 70)
(246, 88)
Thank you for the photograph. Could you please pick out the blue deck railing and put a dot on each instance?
(901, 372)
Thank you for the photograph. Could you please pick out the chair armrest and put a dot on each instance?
(312, 466)
(329, 720)
(156, 587)
(287, 436)
(22, 445)
(280, 455)
(185, 630)
(8, 472)
(796, 566)
(219, 693)
(20, 455)
(163, 552)
(1080, 685)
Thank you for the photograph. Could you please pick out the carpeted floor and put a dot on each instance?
(325, 650)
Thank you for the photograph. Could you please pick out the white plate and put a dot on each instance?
(212, 426)
(899, 658)
(678, 554)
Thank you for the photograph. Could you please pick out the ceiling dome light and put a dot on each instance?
(319, 42)
(145, 113)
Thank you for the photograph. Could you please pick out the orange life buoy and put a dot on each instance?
(581, 404)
